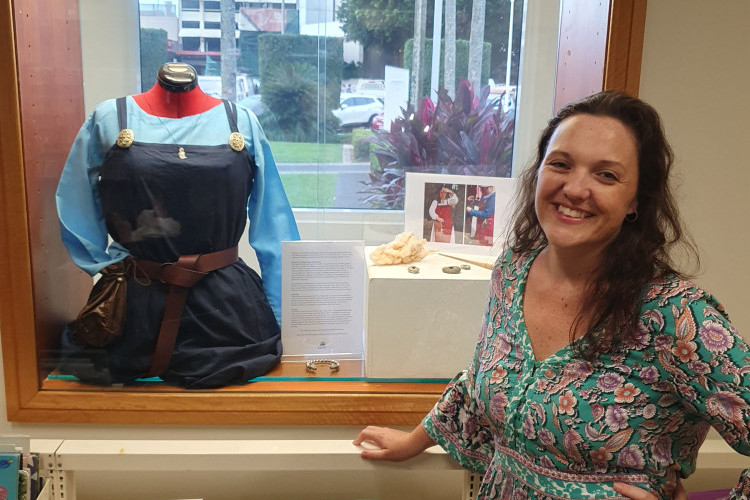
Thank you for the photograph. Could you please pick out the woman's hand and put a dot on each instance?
(394, 445)
(635, 493)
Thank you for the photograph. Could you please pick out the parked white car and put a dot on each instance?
(506, 102)
(357, 110)
(211, 85)
(371, 88)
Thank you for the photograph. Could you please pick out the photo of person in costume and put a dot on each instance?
(173, 176)
(600, 367)
(443, 206)
(480, 215)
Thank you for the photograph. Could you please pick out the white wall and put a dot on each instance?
(696, 74)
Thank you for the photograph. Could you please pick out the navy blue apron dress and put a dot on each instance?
(161, 205)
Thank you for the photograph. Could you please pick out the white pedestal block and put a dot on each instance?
(423, 325)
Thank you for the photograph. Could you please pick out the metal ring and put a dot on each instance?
(451, 269)
(413, 269)
(162, 267)
(312, 365)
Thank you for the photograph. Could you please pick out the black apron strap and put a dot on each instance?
(231, 109)
(122, 113)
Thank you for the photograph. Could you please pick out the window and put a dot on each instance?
(213, 44)
(191, 43)
(191, 24)
(356, 114)
(211, 6)
(190, 5)
(320, 72)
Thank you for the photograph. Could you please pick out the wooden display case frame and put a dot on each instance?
(41, 92)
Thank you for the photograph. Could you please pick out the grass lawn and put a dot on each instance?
(306, 152)
(310, 190)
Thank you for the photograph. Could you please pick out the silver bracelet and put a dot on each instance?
(312, 365)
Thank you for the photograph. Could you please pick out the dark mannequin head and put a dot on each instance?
(177, 77)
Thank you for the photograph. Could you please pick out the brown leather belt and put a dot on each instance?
(180, 275)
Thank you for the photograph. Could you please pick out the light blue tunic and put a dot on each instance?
(82, 224)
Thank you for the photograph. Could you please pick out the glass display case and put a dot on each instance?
(62, 59)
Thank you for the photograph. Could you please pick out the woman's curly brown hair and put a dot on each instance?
(640, 254)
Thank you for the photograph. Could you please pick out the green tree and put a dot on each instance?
(290, 67)
(153, 55)
(381, 26)
(497, 13)
(461, 63)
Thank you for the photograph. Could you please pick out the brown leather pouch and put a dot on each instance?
(101, 319)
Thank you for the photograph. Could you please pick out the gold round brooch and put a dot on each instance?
(125, 138)
(236, 141)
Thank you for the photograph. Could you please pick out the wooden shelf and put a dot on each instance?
(313, 400)
(291, 376)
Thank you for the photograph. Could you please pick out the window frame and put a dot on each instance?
(192, 40)
(25, 402)
(190, 9)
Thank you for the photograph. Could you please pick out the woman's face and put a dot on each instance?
(587, 183)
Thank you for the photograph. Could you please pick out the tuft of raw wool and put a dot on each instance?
(402, 250)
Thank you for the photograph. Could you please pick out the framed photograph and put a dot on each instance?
(459, 213)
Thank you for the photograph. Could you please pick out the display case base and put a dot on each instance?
(424, 325)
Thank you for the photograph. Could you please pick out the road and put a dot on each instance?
(348, 181)
(349, 178)
(323, 168)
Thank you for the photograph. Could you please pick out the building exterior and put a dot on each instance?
(194, 26)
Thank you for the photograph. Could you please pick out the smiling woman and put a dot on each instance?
(599, 367)
(623, 172)
(587, 184)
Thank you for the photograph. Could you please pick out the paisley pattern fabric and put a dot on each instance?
(567, 428)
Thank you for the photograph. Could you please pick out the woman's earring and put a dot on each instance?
(632, 216)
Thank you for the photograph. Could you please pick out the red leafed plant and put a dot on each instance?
(470, 135)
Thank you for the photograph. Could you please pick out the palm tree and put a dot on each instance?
(228, 50)
(420, 27)
(449, 59)
(476, 43)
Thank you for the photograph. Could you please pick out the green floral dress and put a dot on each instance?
(567, 428)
